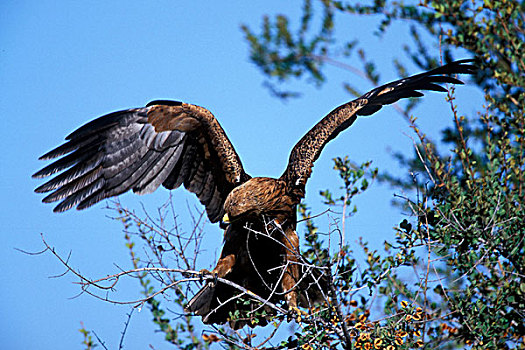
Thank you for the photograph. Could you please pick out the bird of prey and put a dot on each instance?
(175, 143)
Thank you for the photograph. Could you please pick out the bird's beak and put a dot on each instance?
(224, 222)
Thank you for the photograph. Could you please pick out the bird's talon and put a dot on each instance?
(295, 313)
(203, 273)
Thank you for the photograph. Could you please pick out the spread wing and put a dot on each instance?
(167, 142)
(308, 149)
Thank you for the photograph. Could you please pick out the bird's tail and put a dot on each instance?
(200, 304)
(219, 303)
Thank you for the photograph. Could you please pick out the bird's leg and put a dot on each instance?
(291, 274)
(224, 265)
(204, 272)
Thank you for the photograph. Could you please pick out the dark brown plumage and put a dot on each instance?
(174, 143)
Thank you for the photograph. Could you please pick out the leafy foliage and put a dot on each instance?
(88, 342)
(282, 55)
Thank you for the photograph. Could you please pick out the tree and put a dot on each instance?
(466, 235)
(470, 210)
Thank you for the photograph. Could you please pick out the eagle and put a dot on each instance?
(173, 143)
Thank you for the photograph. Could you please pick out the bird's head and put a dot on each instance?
(258, 196)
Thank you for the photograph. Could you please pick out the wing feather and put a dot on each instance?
(68, 178)
(73, 187)
(66, 162)
(167, 142)
(76, 198)
(208, 187)
(69, 147)
(214, 206)
(128, 177)
(181, 173)
(151, 182)
(308, 149)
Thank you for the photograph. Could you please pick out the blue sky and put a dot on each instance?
(65, 63)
